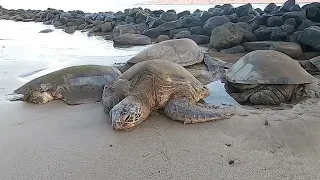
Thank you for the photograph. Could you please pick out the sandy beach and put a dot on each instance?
(57, 141)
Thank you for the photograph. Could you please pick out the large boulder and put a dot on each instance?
(70, 30)
(131, 39)
(226, 36)
(122, 29)
(310, 37)
(214, 22)
(106, 27)
(291, 49)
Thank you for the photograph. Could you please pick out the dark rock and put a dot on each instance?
(305, 24)
(46, 31)
(228, 9)
(129, 19)
(278, 34)
(122, 29)
(183, 13)
(71, 29)
(270, 8)
(168, 16)
(246, 18)
(156, 23)
(171, 25)
(199, 39)
(109, 17)
(181, 34)
(63, 20)
(205, 15)
(175, 31)
(248, 36)
(263, 32)
(162, 38)
(81, 27)
(133, 11)
(275, 21)
(233, 17)
(47, 22)
(142, 16)
(120, 16)
(296, 7)
(255, 24)
(313, 13)
(234, 50)
(57, 24)
(214, 22)
(106, 27)
(140, 27)
(131, 39)
(291, 49)
(197, 30)
(310, 37)
(194, 21)
(154, 33)
(287, 5)
(244, 10)
(108, 37)
(294, 36)
(299, 16)
(216, 11)
(244, 26)
(226, 36)
(289, 29)
(290, 21)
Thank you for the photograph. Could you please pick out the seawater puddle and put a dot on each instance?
(218, 95)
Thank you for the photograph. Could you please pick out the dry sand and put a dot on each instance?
(57, 141)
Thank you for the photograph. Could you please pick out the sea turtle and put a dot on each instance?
(269, 77)
(156, 84)
(184, 52)
(74, 85)
(312, 65)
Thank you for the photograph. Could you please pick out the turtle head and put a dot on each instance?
(127, 114)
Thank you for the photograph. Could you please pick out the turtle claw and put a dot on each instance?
(14, 97)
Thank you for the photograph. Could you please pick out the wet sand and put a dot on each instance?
(57, 141)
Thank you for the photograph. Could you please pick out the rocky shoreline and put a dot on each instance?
(289, 28)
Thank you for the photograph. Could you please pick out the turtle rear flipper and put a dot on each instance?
(188, 112)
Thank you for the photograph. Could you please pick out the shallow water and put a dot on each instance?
(26, 54)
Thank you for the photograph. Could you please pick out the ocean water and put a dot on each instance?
(26, 54)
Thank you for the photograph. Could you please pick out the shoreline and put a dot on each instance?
(138, 27)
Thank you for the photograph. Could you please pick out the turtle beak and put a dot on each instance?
(116, 120)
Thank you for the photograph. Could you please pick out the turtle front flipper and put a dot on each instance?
(189, 112)
(113, 94)
(38, 98)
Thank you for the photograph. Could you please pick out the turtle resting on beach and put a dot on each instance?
(312, 65)
(184, 52)
(159, 84)
(74, 85)
(268, 77)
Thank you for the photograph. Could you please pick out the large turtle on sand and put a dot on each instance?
(312, 65)
(157, 84)
(268, 77)
(74, 85)
(184, 52)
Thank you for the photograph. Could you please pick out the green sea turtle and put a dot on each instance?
(74, 85)
(184, 52)
(269, 77)
(156, 84)
(312, 65)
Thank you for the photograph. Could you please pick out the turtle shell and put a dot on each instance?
(268, 67)
(181, 51)
(315, 61)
